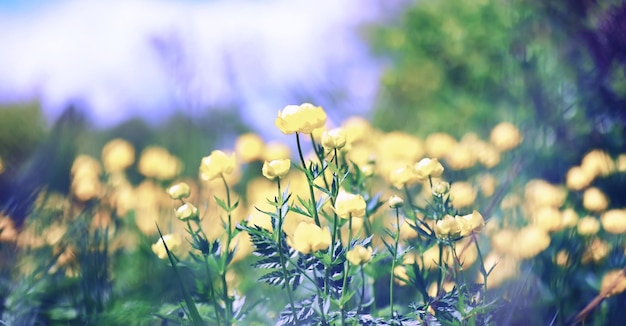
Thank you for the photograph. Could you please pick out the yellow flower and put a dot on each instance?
(179, 191)
(448, 226)
(613, 282)
(1, 166)
(401, 275)
(173, 243)
(396, 202)
(403, 176)
(242, 245)
(597, 163)
(562, 258)
(249, 147)
(186, 212)
(357, 129)
(502, 269)
(117, 155)
(595, 200)
(577, 178)
(540, 193)
(276, 168)
(596, 251)
(614, 221)
(620, 163)
(428, 167)
(441, 188)
(462, 194)
(334, 138)
(276, 151)
(461, 156)
(157, 162)
(439, 144)
(407, 230)
(359, 255)
(300, 118)
(309, 238)
(470, 223)
(531, 241)
(216, 164)
(505, 136)
(349, 205)
(588, 226)
(569, 218)
(547, 218)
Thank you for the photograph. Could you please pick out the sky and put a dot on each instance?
(137, 58)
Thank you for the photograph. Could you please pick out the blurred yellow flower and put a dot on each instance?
(470, 223)
(309, 238)
(614, 221)
(595, 200)
(401, 277)
(439, 144)
(334, 138)
(359, 255)
(562, 258)
(179, 191)
(448, 226)
(249, 147)
(462, 194)
(460, 157)
(403, 176)
(620, 163)
(407, 230)
(588, 226)
(357, 129)
(540, 193)
(186, 212)
(173, 243)
(530, 241)
(1, 166)
(276, 168)
(300, 118)
(577, 178)
(596, 251)
(502, 268)
(399, 146)
(597, 163)
(215, 165)
(242, 246)
(569, 218)
(395, 201)
(441, 188)
(117, 155)
(349, 205)
(428, 167)
(505, 136)
(547, 218)
(613, 282)
(276, 151)
(157, 162)
(8, 233)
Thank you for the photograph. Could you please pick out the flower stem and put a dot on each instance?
(393, 261)
(280, 254)
(346, 270)
(229, 233)
(310, 181)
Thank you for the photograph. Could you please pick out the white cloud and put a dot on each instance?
(126, 58)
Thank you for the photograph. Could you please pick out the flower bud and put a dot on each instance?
(179, 191)
(186, 212)
(396, 202)
(334, 138)
(276, 168)
(441, 189)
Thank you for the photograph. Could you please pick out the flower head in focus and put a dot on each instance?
(349, 205)
(276, 168)
(216, 164)
(300, 118)
(359, 255)
(179, 191)
(308, 238)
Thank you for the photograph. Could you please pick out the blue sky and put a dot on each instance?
(121, 59)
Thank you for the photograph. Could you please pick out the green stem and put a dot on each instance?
(345, 274)
(393, 261)
(280, 253)
(320, 157)
(211, 291)
(359, 306)
(441, 269)
(310, 181)
(229, 233)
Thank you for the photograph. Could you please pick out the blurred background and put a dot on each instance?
(191, 75)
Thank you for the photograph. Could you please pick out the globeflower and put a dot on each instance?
(186, 212)
(300, 118)
(349, 205)
(276, 168)
(614, 221)
(173, 243)
(470, 223)
(216, 164)
(428, 167)
(595, 200)
(505, 136)
(179, 191)
(396, 202)
(359, 255)
(117, 155)
(309, 238)
(334, 138)
(448, 226)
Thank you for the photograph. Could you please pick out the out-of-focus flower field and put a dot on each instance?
(487, 188)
